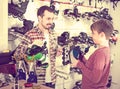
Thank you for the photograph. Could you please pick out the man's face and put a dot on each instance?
(47, 20)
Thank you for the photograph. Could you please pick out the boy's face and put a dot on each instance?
(47, 19)
(96, 37)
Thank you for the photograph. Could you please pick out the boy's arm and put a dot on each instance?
(95, 73)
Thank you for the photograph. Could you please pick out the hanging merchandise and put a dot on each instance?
(65, 56)
(20, 36)
(115, 2)
(5, 79)
(17, 10)
(72, 13)
(55, 6)
(97, 1)
(73, 2)
(113, 39)
(103, 14)
(90, 2)
(77, 85)
(78, 45)
(109, 81)
(28, 25)
(75, 69)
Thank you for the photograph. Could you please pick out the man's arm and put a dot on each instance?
(21, 49)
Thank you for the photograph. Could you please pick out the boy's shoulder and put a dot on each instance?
(102, 50)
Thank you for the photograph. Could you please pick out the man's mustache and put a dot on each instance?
(49, 24)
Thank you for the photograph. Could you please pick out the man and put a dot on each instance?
(39, 35)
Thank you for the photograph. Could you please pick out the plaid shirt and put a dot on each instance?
(33, 35)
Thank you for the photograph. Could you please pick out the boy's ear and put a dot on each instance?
(102, 34)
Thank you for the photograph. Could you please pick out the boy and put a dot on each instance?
(95, 70)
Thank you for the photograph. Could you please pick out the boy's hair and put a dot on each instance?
(103, 25)
(42, 9)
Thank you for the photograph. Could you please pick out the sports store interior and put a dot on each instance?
(71, 16)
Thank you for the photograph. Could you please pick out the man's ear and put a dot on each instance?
(39, 18)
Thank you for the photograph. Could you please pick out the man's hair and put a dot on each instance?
(103, 25)
(42, 9)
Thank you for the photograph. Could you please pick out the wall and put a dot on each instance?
(3, 25)
(115, 49)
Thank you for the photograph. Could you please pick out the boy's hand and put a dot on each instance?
(74, 63)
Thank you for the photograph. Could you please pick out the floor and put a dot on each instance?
(21, 86)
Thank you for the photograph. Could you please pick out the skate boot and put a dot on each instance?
(21, 75)
(32, 77)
